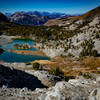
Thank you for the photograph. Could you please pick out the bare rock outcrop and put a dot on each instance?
(47, 79)
(86, 90)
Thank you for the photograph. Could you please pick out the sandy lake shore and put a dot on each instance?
(39, 53)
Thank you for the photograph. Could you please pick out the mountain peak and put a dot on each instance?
(89, 15)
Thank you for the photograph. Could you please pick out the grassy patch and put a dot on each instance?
(58, 72)
(91, 62)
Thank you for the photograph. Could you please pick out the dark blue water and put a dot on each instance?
(14, 57)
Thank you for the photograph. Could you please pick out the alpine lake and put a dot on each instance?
(11, 57)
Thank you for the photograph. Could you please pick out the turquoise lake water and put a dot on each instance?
(14, 57)
(11, 45)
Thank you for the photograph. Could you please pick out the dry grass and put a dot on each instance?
(82, 16)
(72, 67)
(91, 62)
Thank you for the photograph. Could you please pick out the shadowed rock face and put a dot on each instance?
(1, 51)
(3, 18)
(14, 78)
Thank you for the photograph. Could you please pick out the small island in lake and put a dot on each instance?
(22, 46)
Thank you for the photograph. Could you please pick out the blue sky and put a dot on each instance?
(64, 6)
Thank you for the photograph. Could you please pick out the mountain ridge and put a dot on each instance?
(88, 16)
(33, 18)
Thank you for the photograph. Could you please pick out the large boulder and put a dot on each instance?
(95, 94)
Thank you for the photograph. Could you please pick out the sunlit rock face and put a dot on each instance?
(47, 79)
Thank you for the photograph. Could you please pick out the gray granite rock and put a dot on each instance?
(46, 78)
(61, 91)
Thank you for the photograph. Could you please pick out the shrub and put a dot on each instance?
(85, 75)
(57, 72)
(97, 36)
(70, 55)
(88, 50)
(94, 53)
(36, 66)
(77, 41)
(28, 63)
(67, 78)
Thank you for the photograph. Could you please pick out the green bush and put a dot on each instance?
(36, 66)
(57, 72)
(67, 78)
(97, 36)
(88, 48)
(85, 75)
(94, 53)
(70, 55)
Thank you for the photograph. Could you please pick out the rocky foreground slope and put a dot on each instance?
(20, 85)
(72, 90)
